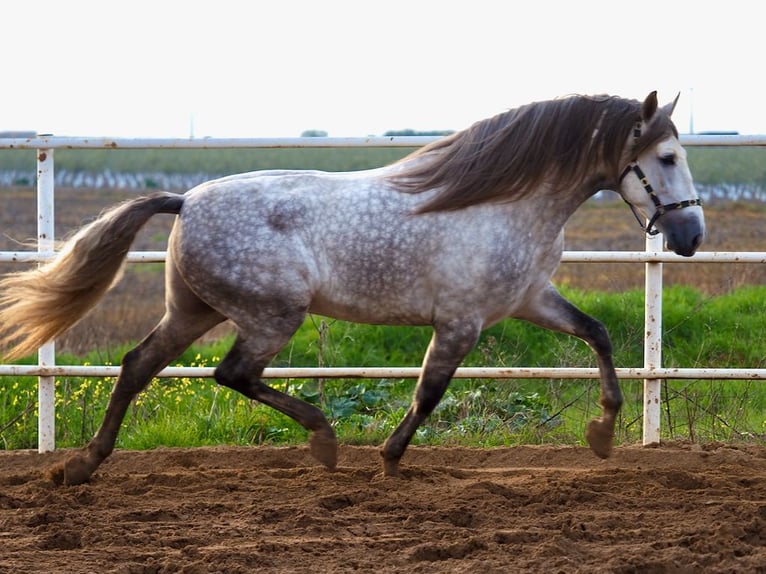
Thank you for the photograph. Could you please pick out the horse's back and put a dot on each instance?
(350, 246)
(328, 241)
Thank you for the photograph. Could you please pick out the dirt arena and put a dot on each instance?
(674, 509)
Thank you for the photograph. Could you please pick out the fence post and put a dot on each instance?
(652, 341)
(46, 355)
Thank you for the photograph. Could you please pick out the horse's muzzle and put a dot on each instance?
(684, 230)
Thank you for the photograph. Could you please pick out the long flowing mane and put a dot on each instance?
(556, 142)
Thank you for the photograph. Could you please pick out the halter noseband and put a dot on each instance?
(660, 209)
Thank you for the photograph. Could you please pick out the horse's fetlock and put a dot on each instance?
(612, 403)
(316, 421)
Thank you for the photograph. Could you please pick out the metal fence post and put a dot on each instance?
(652, 341)
(46, 356)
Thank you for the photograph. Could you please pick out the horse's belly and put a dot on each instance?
(374, 307)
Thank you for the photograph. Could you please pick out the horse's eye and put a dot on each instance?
(669, 159)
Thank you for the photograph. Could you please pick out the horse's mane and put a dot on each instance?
(556, 142)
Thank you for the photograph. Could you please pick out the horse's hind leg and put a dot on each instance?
(550, 310)
(241, 370)
(450, 344)
(185, 319)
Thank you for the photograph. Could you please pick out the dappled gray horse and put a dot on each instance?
(458, 235)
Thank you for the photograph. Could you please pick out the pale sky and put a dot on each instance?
(167, 68)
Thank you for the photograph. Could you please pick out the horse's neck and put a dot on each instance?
(554, 207)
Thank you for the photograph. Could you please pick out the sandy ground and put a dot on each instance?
(677, 508)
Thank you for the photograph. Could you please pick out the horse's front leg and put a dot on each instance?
(550, 310)
(450, 343)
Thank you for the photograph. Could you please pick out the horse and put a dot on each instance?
(458, 235)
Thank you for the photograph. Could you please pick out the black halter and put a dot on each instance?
(660, 209)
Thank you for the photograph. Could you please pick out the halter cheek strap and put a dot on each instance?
(659, 208)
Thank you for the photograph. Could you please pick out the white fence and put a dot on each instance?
(653, 258)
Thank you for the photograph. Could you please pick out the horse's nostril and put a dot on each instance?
(697, 241)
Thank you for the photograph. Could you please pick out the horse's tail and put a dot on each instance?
(38, 305)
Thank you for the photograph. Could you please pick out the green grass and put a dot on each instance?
(699, 331)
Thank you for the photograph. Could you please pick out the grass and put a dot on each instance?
(700, 330)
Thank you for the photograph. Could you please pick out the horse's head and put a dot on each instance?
(657, 182)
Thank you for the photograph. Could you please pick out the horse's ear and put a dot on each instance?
(649, 106)
(668, 108)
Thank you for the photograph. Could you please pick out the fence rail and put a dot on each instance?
(653, 258)
(399, 372)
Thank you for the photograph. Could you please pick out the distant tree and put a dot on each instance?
(314, 134)
(409, 132)
(18, 134)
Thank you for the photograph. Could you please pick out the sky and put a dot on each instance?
(261, 68)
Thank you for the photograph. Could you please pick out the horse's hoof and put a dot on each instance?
(599, 436)
(324, 448)
(391, 467)
(74, 470)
